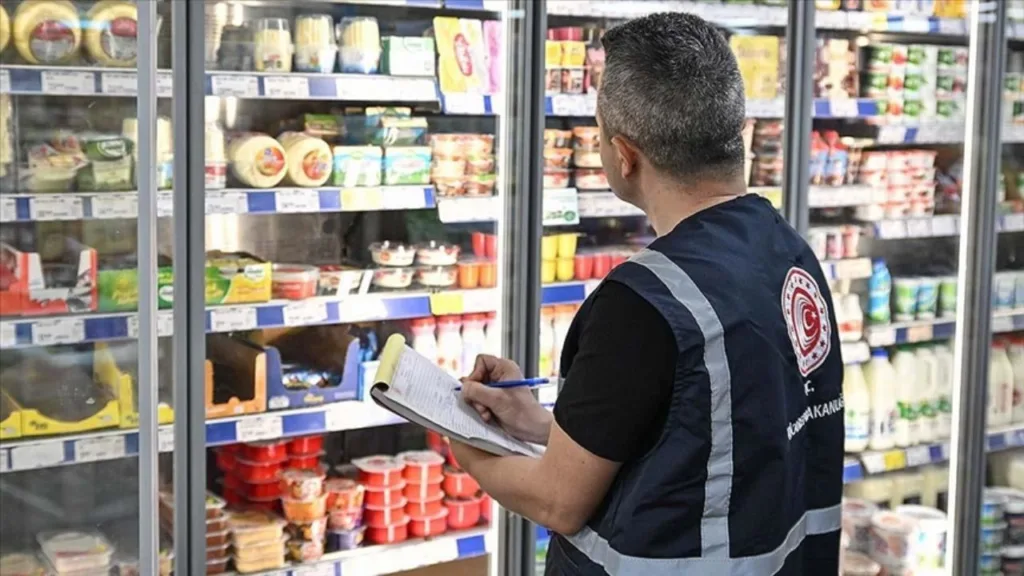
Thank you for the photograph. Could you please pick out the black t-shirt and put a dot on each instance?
(618, 362)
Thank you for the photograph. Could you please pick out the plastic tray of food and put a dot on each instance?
(76, 550)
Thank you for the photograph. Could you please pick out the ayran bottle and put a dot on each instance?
(943, 391)
(1000, 386)
(1016, 354)
(473, 340)
(857, 413)
(449, 345)
(927, 392)
(493, 335)
(547, 342)
(905, 384)
(424, 340)
(880, 377)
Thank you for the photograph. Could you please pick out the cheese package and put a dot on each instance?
(257, 160)
(308, 159)
(758, 60)
(5, 29)
(460, 49)
(47, 31)
(111, 33)
(315, 48)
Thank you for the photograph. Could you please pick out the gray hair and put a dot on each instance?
(671, 85)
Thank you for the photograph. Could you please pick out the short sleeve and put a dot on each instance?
(617, 391)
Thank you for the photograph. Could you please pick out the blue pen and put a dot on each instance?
(531, 382)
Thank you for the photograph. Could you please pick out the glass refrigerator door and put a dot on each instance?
(351, 193)
(81, 368)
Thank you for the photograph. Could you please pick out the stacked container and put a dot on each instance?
(304, 500)
(258, 539)
(384, 514)
(345, 498)
(422, 470)
(252, 472)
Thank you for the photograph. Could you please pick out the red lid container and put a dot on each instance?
(232, 482)
(422, 466)
(426, 507)
(303, 484)
(233, 498)
(306, 446)
(256, 472)
(225, 460)
(265, 452)
(388, 534)
(264, 491)
(459, 484)
(422, 492)
(385, 497)
(384, 516)
(305, 462)
(429, 525)
(379, 471)
(462, 513)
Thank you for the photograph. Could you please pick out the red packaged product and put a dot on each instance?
(225, 460)
(422, 466)
(271, 451)
(256, 472)
(344, 494)
(425, 507)
(429, 525)
(583, 266)
(384, 516)
(307, 462)
(602, 264)
(232, 482)
(422, 492)
(385, 497)
(265, 491)
(462, 513)
(459, 484)
(306, 446)
(379, 471)
(233, 498)
(616, 258)
(388, 534)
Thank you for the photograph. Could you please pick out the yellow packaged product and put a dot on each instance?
(950, 9)
(111, 34)
(257, 160)
(552, 54)
(758, 60)
(308, 158)
(255, 527)
(460, 49)
(574, 53)
(5, 29)
(47, 31)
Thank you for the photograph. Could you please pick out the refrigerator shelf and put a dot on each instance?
(938, 329)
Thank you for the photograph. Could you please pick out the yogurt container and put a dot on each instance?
(928, 542)
(1013, 514)
(857, 515)
(947, 296)
(904, 300)
(891, 534)
(992, 538)
(927, 297)
(338, 540)
(857, 564)
(993, 504)
(1012, 560)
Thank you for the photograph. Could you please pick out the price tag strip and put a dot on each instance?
(47, 332)
(102, 448)
(259, 428)
(239, 86)
(42, 455)
(232, 318)
(297, 200)
(68, 82)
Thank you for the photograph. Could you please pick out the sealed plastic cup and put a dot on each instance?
(566, 245)
(549, 247)
(904, 302)
(947, 296)
(927, 297)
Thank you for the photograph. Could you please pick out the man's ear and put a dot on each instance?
(628, 155)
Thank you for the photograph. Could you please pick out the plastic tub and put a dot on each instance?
(557, 158)
(547, 271)
(422, 492)
(385, 497)
(301, 484)
(488, 274)
(268, 452)
(425, 507)
(459, 484)
(245, 566)
(554, 138)
(217, 524)
(72, 550)
(384, 516)
(549, 247)
(462, 513)
(857, 515)
(583, 266)
(591, 179)
(253, 526)
(437, 276)
(565, 268)
(256, 473)
(304, 462)
(393, 278)
(338, 540)
(583, 158)
(260, 492)
(339, 519)
(304, 510)
(305, 550)
(233, 497)
(429, 525)
(992, 538)
(388, 534)
(1012, 560)
(215, 539)
(344, 494)
(261, 550)
(586, 137)
(225, 460)
(306, 446)
(857, 564)
(434, 253)
(555, 178)
(214, 506)
(602, 264)
(294, 281)
(929, 538)
(312, 530)
(469, 275)
(217, 566)
(389, 253)
(379, 471)
(891, 533)
(214, 553)
(422, 466)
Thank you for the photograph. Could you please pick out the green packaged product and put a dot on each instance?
(357, 166)
(109, 163)
(407, 56)
(406, 166)
(400, 132)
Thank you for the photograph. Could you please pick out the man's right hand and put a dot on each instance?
(515, 409)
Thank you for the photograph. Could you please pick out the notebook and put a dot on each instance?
(417, 389)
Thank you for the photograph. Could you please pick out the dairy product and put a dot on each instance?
(879, 292)
(111, 36)
(1016, 354)
(272, 45)
(563, 320)
(5, 29)
(449, 345)
(47, 31)
(880, 377)
(935, 486)
(216, 168)
(473, 339)
(927, 392)
(423, 339)
(315, 50)
(850, 318)
(547, 341)
(857, 515)
(1000, 386)
(943, 390)
(308, 159)
(257, 160)
(904, 302)
(857, 413)
(928, 540)
(493, 334)
(905, 385)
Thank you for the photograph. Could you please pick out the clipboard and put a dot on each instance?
(417, 389)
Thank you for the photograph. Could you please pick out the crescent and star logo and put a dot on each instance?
(806, 314)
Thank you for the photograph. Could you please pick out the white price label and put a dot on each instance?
(881, 337)
(1002, 324)
(481, 300)
(830, 19)
(5, 81)
(286, 87)
(362, 309)
(919, 228)
(455, 210)
(918, 456)
(844, 108)
(165, 439)
(133, 326)
(8, 335)
(952, 27)
(5, 461)
(357, 87)
(164, 84)
(470, 104)
(232, 318)
(235, 85)
(96, 449)
(69, 82)
(916, 24)
(874, 462)
(561, 207)
(921, 333)
(115, 206)
(892, 229)
(42, 455)
(164, 203)
(326, 569)
(297, 200)
(119, 83)
(225, 203)
(165, 323)
(946, 225)
(56, 207)
(258, 428)
(1013, 222)
(891, 135)
(305, 313)
(8, 209)
(58, 331)
(403, 198)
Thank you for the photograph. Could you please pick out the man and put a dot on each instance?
(700, 426)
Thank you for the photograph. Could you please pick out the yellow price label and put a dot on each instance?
(895, 460)
(880, 21)
(922, 333)
(446, 303)
(361, 199)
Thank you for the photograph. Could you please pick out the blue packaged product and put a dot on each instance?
(879, 291)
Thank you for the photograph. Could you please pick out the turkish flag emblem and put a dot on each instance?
(806, 314)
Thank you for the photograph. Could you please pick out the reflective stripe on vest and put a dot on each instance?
(714, 522)
(813, 522)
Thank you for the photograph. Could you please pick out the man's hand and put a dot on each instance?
(515, 409)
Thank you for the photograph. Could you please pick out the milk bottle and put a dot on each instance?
(474, 340)
(1016, 354)
(907, 423)
(858, 408)
(1000, 386)
(943, 391)
(881, 379)
(423, 339)
(927, 392)
(449, 345)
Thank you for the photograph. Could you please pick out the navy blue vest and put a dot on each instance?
(746, 478)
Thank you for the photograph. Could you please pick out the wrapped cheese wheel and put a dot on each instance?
(47, 31)
(309, 159)
(257, 160)
(111, 36)
(5, 29)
